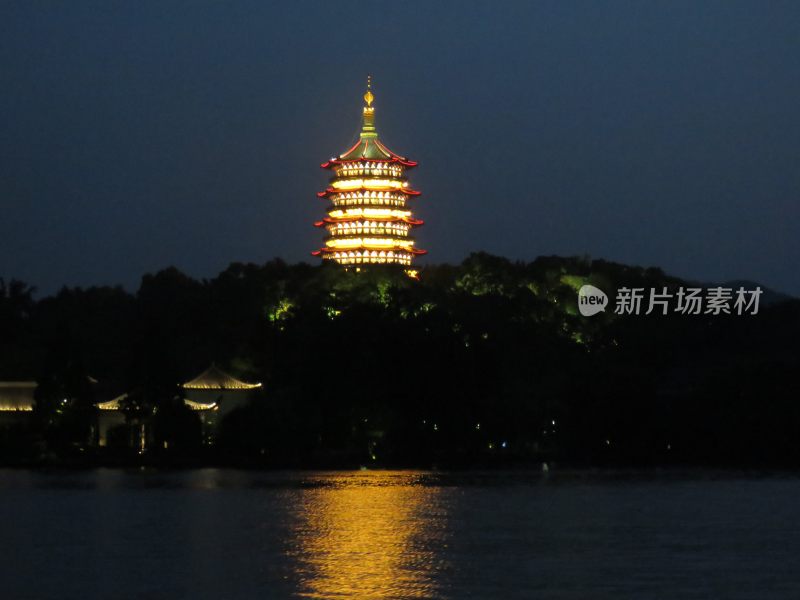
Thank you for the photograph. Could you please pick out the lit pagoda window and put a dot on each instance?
(369, 220)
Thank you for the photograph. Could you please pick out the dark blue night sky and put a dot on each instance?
(138, 135)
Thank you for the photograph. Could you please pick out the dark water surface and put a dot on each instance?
(399, 534)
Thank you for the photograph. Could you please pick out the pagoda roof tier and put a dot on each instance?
(367, 207)
(395, 249)
(351, 219)
(373, 149)
(215, 378)
(401, 241)
(367, 212)
(113, 404)
(326, 193)
(369, 150)
(200, 405)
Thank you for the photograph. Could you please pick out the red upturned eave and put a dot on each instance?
(393, 249)
(403, 161)
(391, 156)
(409, 220)
(330, 191)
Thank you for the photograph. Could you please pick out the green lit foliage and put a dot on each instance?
(332, 312)
(281, 311)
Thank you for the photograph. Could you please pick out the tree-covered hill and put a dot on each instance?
(486, 362)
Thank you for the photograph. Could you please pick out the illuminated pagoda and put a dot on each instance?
(369, 220)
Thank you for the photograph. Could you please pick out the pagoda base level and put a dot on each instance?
(344, 259)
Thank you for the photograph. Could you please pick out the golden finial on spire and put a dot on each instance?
(368, 97)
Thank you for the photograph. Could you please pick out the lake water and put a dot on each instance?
(228, 534)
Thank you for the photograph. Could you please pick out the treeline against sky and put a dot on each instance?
(484, 363)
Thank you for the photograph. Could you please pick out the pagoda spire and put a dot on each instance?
(368, 120)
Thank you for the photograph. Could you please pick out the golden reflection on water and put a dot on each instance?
(369, 535)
